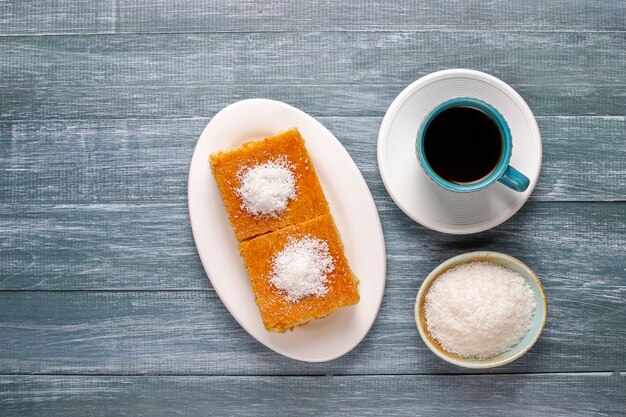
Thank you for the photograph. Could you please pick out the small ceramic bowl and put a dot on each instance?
(538, 321)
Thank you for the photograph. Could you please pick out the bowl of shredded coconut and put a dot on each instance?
(481, 309)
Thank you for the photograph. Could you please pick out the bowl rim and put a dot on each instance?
(462, 258)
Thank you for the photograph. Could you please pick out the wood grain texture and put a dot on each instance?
(370, 14)
(533, 58)
(109, 246)
(190, 333)
(170, 102)
(147, 161)
(539, 395)
(61, 16)
(576, 250)
(79, 16)
(105, 308)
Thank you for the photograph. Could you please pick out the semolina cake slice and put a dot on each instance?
(299, 273)
(268, 184)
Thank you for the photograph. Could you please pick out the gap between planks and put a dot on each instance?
(339, 84)
(609, 117)
(248, 32)
(610, 374)
(4, 207)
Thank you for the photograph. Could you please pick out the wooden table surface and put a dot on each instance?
(105, 308)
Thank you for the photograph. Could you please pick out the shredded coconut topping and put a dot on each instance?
(301, 268)
(479, 309)
(266, 188)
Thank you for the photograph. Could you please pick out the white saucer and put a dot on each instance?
(415, 193)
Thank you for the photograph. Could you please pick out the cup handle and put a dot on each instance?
(514, 179)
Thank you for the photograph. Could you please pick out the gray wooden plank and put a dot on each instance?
(60, 16)
(538, 395)
(191, 333)
(146, 161)
(111, 246)
(183, 101)
(281, 15)
(534, 58)
(576, 250)
(78, 16)
(98, 246)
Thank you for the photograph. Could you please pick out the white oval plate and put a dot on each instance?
(350, 202)
(415, 193)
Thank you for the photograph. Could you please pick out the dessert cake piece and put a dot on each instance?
(268, 184)
(299, 273)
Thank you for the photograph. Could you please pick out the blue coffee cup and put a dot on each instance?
(503, 172)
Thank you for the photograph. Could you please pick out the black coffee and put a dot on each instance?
(463, 144)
